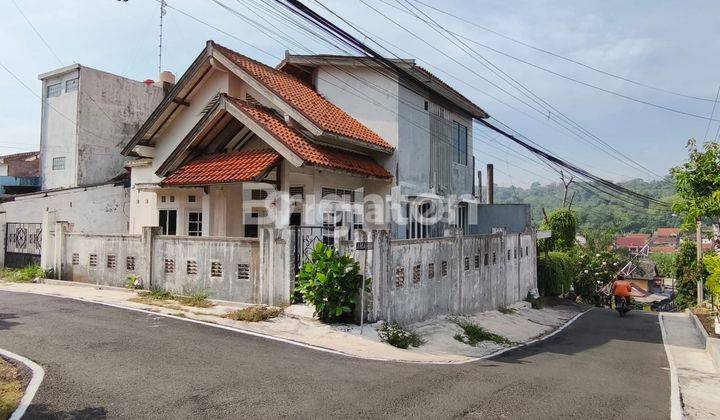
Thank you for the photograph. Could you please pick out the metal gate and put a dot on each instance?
(22, 244)
(304, 239)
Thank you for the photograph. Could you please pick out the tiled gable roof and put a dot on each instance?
(223, 168)
(309, 152)
(305, 100)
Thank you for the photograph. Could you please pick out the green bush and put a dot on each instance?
(554, 273)
(23, 275)
(474, 334)
(592, 271)
(687, 274)
(563, 224)
(398, 336)
(331, 282)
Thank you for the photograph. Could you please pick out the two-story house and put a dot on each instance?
(322, 129)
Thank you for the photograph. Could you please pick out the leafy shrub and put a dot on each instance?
(535, 302)
(474, 334)
(554, 273)
(563, 224)
(712, 265)
(254, 313)
(593, 271)
(133, 282)
(23, 275)
(196, 298)
(398, 336)
(687, 274)
(330, 281)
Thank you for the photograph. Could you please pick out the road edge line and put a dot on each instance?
(38, 373)
(676, 412)
(313, 346)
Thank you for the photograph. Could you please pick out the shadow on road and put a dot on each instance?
(595, 329)
(5, 324)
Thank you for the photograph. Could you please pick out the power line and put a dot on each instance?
(556, 55)
(712, 113)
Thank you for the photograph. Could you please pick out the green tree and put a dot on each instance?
(697, 182)
(563, 224)
(686, 275)
(665, 264)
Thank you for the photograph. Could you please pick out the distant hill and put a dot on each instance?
(596, 210)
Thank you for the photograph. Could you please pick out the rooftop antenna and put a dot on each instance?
(163, 3)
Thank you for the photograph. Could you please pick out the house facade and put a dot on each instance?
(19, 173)
(347, 144)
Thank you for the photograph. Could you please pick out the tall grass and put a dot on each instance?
(23, 275)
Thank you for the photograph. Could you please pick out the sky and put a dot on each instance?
(671, 45)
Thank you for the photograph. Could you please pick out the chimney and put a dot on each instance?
(479, 190)
(491, 186)
(166, 80)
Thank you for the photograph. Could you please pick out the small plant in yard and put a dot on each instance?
(254, 313)
(535, 302)
(330, 281)
(396, 335)
(474, 334)
(157, 294)
(197, 298)
(23, 275)
(133, 282)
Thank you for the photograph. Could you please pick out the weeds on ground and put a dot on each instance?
(11, 389)
(196, 298)
(398, 336)
(133, 282)
(474, 334)
(507, 311)
(535, 302)
(254, 313)
(159, 297)
(23, 275)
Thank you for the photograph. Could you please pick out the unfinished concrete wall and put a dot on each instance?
(226, 268)
(419, 279)
(514, 218)
(101, 259)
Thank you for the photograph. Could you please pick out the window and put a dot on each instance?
(338, 194)
(243, 271)
(75, 259)
(443, 268)
(93, 260)
(71, 85)
(257, 194)
(168, 222)
(399, 276)
(295, 219)
(461, 220)
(192, 198)
(297, 193)
(460, 145)
(58, 163)
(417, 273)
(251, 225)
(418, 227)
(191, 268)
(54, 90)
(195, 223)
(169, 265)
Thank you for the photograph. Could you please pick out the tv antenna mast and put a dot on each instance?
(163, 11)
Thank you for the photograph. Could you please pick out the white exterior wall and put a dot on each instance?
(99, 209)
(127, 104)
(58, 133)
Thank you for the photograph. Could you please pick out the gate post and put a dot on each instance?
(148, 234)
(381, 276)
(59, 249)
(3, 237)
(47, 247)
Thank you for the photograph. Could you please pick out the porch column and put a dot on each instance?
(206, 214)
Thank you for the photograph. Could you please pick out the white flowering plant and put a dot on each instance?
(594, 269)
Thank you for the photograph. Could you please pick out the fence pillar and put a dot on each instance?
(148, 235)
(47, 247)
(379, 270)
(61, 229)
(3, 237)
(276, 270)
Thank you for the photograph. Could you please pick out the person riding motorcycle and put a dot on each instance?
(621, 288)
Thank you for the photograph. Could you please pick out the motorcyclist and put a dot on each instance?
(621, 288)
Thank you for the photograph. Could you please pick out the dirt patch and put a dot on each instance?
(12, 387)
(707, 319)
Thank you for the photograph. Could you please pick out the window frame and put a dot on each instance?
(58, 86)
(70, 86)
(58, 163)
(460, 148)
(197, 231)
(166, 226)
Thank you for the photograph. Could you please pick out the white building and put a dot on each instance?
(87, 115)
(314, 127)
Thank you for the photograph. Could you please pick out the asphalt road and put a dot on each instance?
(103, 362)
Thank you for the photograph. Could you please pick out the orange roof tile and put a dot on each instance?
(309, 152)
(224, 167)
(667, 231)
(305, 100)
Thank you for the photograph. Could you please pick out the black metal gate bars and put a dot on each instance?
(22, 244)
(304, 239)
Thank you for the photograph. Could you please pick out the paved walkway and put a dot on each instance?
(105, 362)
(698, 379)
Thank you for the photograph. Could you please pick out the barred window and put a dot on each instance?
(416, 273)
(215, 269)
(58, 163)
(76, 259)
(130, 263)
(400, 277)
(71, 85)
(111, 261)
(243, 271)
(191, 268)
(93, 260)
(54, 90)
(169, 265)
(443, 269)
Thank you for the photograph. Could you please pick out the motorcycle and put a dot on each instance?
(621, 305)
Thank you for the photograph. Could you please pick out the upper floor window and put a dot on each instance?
(195, 223)
(71, 85)
(58, 163)
(54, 90)
(460, 146)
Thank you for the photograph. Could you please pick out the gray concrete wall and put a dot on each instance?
(513, 218)
(410, 284)
(226, 253)
(100, 209)
(80, 247)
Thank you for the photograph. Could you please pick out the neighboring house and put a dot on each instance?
(305, 128)
(87, 115)
(19, 173)
(666, 237)
(633, 242)
(645, 276)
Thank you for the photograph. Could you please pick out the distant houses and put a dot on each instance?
(664, 240)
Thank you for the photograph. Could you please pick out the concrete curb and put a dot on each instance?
(38, 373)
(712, 344)
(314, 346)
(676, 411)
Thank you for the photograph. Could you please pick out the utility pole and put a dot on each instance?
(699, 252)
